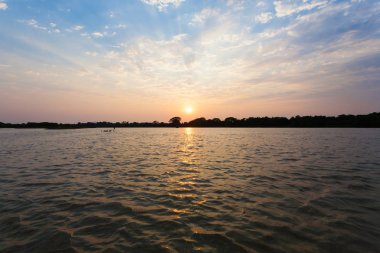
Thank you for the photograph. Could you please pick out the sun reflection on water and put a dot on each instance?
(188, 131)
(184, 183)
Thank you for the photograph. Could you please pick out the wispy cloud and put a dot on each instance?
(163, 4)
(33, 23)
(50, 28)
(261, 4)
(264, 17)
(94, 54)
(203, 15)
(74, 28)
(289, 7)
(236, 4)
(236, 64)
(77, 27)
(121, 26)
(98, 34)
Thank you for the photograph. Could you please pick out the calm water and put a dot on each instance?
(190, 190)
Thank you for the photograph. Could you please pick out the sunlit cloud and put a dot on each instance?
(222, 59)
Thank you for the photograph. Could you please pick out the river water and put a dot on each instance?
(190, 190)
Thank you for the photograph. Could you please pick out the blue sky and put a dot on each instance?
(145, 60)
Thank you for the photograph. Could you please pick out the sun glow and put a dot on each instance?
(188, 109)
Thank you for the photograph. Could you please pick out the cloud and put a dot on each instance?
(77, 27)
(236, 5)
(50, 28)
(53, 28)
(97, 34)
(306, 57)
(261, 4)
(163, 4)
(74, 28)
(334, 48)
(93, 54)
(33, 23)
(118, 26)
(3, 6)
(121, 26)
(203, 15)
(288, 7)
(264, 17)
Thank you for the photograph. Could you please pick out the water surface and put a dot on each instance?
(190, 190)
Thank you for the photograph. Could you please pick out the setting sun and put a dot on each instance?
(189, 109)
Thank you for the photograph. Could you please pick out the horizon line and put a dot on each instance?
(187, 122)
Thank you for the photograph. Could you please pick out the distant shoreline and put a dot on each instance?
(371, 120)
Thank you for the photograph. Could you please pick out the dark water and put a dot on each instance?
(190, 190)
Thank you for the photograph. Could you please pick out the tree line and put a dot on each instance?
(369, 120)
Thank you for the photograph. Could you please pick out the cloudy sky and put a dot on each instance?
(145, 60)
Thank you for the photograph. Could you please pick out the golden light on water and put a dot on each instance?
(188, 132)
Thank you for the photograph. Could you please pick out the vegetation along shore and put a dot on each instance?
(369, 120)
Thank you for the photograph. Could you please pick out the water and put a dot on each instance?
(190, 190)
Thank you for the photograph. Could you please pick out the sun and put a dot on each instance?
(188, 109)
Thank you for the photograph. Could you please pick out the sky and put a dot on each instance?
(146, 60)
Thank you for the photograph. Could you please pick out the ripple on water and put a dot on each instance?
(176, 190)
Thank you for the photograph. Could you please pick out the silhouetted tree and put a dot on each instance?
(230, 121)
(199, 122)
(175, 121)
(369, 120)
